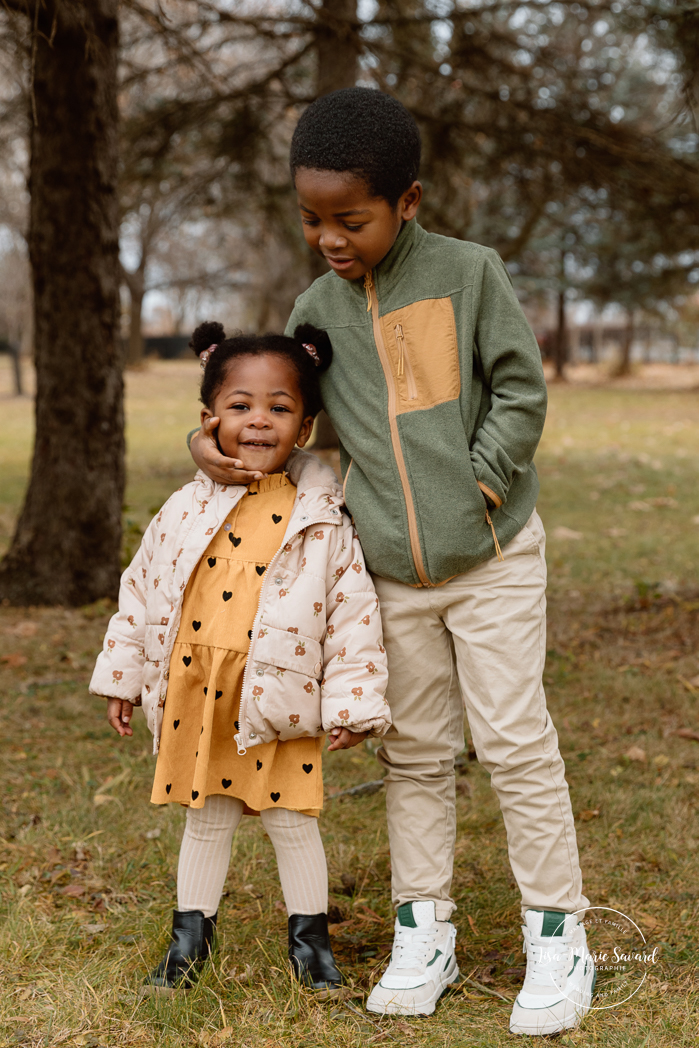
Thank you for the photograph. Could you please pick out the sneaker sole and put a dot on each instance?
(557, 1025)
(394, 1007)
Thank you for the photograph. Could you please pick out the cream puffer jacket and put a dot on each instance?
(316, 658)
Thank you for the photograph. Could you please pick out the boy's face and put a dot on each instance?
(342, 222)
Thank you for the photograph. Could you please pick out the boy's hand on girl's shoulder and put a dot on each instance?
(344, 739)
(205, 452)
(119, 713)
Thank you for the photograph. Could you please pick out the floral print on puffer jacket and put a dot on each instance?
(316, 647)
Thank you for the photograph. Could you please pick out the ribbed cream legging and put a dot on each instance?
(206, 851)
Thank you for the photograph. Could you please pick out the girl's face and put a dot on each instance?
(261, 410)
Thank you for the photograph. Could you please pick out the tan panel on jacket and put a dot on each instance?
(421, 343)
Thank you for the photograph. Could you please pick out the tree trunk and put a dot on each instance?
(624, 365)
(66, 546)
(336, 45)
(337, 68)
(560, 345)
(135, 350)
(17, 369)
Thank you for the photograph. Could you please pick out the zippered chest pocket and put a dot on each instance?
(422, 346)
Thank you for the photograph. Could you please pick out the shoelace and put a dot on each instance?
(412, 946)
(547, 958)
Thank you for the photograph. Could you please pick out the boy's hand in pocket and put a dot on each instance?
(344, 739)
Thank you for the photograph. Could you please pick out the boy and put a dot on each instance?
(438, 397)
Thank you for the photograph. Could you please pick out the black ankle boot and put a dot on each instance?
(191, 944)
(310, 952)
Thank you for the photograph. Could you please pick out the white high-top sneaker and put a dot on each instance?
(422, 965)
(560, 977)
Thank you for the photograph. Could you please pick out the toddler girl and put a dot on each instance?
(248, 627)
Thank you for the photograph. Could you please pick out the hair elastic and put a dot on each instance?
(312, 352)
(204, 357)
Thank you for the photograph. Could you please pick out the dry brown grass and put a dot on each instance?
(87, 885)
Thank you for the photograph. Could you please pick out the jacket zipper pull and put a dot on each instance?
(368, 284)
(400, 339)
(495, 538)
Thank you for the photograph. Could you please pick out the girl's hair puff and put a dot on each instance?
(227, 350)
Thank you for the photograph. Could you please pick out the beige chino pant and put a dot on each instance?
(479, 642)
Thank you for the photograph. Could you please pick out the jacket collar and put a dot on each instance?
(313, 479)
(390, 269)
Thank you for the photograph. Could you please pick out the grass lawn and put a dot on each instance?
(87, 866)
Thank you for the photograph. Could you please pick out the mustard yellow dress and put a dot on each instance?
(198, 755)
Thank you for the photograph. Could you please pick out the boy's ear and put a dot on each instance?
(305, 431)
(410, 201)
(204, 414)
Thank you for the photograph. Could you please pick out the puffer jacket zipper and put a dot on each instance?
(416, 550)
(242, 737)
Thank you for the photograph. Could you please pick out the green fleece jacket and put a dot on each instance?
(437, 394)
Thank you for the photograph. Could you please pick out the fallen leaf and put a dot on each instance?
(94, 929)
(152, 835)
(24, 629)
(219, 1037)
(661, 760)
(562, 532)
(102, 798)
(690, 685)
(73, 891)
(333, 929)
(13, 660)
(664, 501)
(587, 814)
(472, 923)
(687, 733)
(636, 754)
(640, 507)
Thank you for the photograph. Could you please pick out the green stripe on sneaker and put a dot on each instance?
(405, 915)
(554, 923)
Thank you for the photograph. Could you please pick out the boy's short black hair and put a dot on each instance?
(362, 131)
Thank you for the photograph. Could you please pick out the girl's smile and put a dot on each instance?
(261, 411)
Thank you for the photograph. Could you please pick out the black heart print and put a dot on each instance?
(275, 797)
(308, 768)
(196, 625)
(259, 765)
(276, 518)
(249, 634)
(236, 541)
(237, 726)
(195, 794)
(168, 787)
(226, 783)
(186, 659)
(206, 691)
(202, 730)
(176, 724)
(261, 570)
(196, 754)
(212, 561)
(219, 694)
(227, 594)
